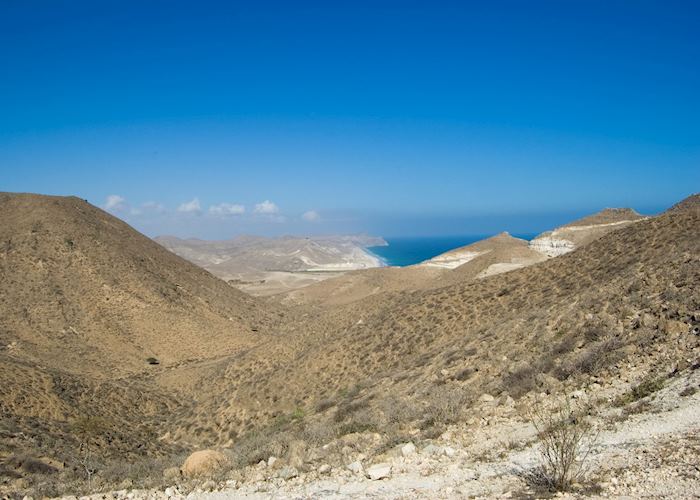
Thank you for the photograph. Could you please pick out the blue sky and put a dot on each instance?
(212, 119)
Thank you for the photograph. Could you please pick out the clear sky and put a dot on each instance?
(211, 119)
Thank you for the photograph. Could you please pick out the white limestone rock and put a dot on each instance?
(379, 471)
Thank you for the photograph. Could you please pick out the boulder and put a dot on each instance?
(204, 463)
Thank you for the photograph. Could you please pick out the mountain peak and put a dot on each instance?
(692, 202)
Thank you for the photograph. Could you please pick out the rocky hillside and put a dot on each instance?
(89, 309)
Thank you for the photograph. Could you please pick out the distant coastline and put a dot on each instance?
(382, 261)
(406, 251)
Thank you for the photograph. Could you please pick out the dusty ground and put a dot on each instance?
(654, 453)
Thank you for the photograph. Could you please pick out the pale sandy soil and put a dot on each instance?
(280, 282)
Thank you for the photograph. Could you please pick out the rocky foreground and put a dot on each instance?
(651, 449)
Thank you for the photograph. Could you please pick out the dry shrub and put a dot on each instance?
(324, 405)
(255, 447)
(144, 473)
(445, 405)
(521, 381)
(465, 373)
(319, 433)
(346, 409)
(565, 345)
(361, 421)
(30, 465)
(398, 410)
(565, 442)
(596, 357)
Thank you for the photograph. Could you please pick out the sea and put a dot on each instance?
(405, 251)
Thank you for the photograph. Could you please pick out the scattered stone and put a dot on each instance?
(431, 449)
(204, 463)
(271, 461)
(287, 473)
(171, 492)
(408, 449)
(469, 474)
(486, 398)
(449, 451)
(355, 467)
(324, 469)
(577, 394)
(209, 486)
(379, 471)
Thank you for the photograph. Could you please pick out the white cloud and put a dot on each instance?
(311, 216)
(190, 207)
(152, 206)
(115, 203)
(227, 209)
(266, 207)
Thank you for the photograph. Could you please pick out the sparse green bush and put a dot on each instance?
(89, 430)
(645, 388)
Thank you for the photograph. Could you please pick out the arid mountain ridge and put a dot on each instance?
(85, 301)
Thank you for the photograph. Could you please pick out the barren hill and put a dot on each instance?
(85, 301)
(557, 324)
(264, 266)
(79, 281)
(690, 203)
(495, 255)
(581, 232)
